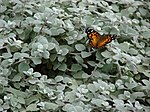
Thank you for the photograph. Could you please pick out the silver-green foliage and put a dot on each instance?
(46, 64)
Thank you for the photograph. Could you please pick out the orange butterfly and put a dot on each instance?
(97, 40)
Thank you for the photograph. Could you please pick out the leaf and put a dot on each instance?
(54, 32)
(133, 51)
(72, 108)
(36, 60)
(51, 46)
(60, 30)
(87, 20)
(119, 104)
(106, 54)
(16, 92)
(115, 7)
(64, 51)
(80, 47)
(146, 34)
(131, 9)
(6, 55)
(132, 32)
(70, 96)
(51, 106)
(47, 31)
(36, 74)
(110, 16)
(143, 11)
(78, 75)
(91, 63)
(2, 9)
(124, 46)
(85, 54)
(33, 81)
(68, 107)
(131, 85)
(1, 109)
(53, 57)
(6, 63)
(78, 108)
(69, 25)
(37, 29)
(137, 105)
(79, 59)
(97, 102)
(133, 68)
(42, 40)
(32, 107)
(46, 54)
(32, 98)
(56, 65)
(75, 67)
(23, 67)
(18, 55)
(147, 73)
(60, 87)
(92, 88)
(29, 12)
(17, 77)
(67, 80)
(58, 78)
(138, 95)
(62, 67)
(147, 83)
(141, 68)
(21, 100)
(85, 75)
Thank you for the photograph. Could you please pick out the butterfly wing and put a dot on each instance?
(105, 39)
(94, 38)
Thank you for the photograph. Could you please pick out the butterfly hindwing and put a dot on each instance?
(105, 39)
(94, 38)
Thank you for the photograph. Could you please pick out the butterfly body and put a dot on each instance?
(97, 40)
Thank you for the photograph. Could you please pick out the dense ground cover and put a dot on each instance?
(47, 65)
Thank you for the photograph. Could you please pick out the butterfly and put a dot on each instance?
(97, 40)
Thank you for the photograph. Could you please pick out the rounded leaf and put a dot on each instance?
(80, 47)
(51, 106)
(85, 54)
(64, 51)
(75, 67)
(23, 67)
(58, 78)
(62, 67)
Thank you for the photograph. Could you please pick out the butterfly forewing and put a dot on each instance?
(94, 38)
